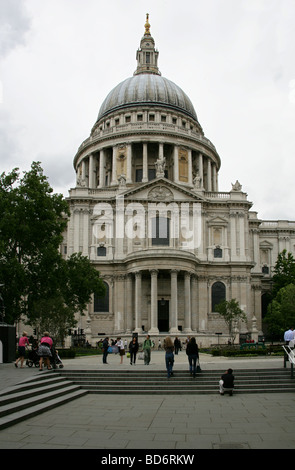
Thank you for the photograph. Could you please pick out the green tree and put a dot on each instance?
(73, 282)
(38, 283)
(274, 320)
(231, 313)
(284, 271)
(31, 226)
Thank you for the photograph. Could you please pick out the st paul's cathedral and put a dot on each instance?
(148, 212)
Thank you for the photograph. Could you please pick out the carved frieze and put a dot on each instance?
(160, 194)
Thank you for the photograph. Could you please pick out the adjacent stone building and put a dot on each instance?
(148, 212)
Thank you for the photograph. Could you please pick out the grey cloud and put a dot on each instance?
(14, 23)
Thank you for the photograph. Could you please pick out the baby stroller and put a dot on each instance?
(55, 360)
(33, 358)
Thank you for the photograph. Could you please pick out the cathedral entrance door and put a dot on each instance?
(163, 315)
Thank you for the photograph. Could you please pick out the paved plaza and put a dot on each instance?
(172, 422)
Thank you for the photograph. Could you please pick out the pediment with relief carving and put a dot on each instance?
(160, 194)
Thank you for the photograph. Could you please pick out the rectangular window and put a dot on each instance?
(151, 174)
(160, 231)
(138, 176)
(217, 253)
(101, 251)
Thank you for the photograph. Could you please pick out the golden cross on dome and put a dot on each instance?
(147, 26)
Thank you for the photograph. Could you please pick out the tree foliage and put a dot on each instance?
(231, 313)
(281, 311)
(284, 271)
(38, 282)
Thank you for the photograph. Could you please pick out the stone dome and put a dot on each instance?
(147, 89)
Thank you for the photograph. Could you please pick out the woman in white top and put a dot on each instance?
(120, 345)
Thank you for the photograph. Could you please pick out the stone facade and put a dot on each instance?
(148, 212)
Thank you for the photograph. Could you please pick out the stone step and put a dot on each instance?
(34, 410)
(131, 381)
(40, 396)
(37, 389)
(33, 383)
(154, 375)
(50, 389)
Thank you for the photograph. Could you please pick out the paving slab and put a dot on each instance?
(190, 422)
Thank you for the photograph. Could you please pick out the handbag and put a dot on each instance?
(198, 367)
(110, 349)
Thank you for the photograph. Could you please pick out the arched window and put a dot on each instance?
(218, 294)
(101, 304)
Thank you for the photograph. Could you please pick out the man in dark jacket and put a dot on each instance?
(105, 346)
(226, 383)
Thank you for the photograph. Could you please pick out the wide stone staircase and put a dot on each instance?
(42, 393)
(53, 388)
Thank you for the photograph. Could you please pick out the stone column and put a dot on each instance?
(154, 302)
(209, 177)
(119, 294)
(83, 170)
(174, 303)
(129, 311)
(187, 303)
(77, 230)
(129, 164)
(102, 175)
(203, 302)
(161, 151)
(144, 163)
(138, 321)
(114, 166)
(175, 165)
(214, 178)
(201, 170)
(233, 238)
(85, 243)
(91, 172)
(194, 304)
(190, 167)
(242, 235)
(255, 235)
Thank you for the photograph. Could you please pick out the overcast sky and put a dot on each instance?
(233, 58)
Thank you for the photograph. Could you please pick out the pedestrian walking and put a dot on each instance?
(105, 345)
(22, 344)
(289, 335)
(177, 345)
(192, 352)
(169, 355)
(120, 345)
(44, 350)
(147, 346)
(133, 348)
